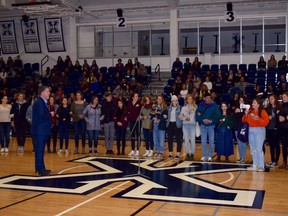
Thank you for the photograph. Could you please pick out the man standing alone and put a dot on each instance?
(41, 128)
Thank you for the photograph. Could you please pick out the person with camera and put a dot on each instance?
(207, 114)
(159, 117)
(174, 127)
(187, 115)
(237, 119)
(257, 119)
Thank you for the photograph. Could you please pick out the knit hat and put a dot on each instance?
(174, 98)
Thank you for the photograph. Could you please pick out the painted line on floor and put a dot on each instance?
(228, 180)
(142, 208)
(87, 201)
(70, 168)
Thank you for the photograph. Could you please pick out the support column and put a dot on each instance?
(174, 35)
(73, 38)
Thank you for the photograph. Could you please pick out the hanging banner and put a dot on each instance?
(54, 35)
(30, 33)
(8, 37)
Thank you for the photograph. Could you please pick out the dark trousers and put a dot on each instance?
(172, 132)
(134, 130)
(148, 136)
(284, 142)
(274, 143)
(54, 132)
(120, 137)
(40, 142)
(20, 131)
(79, 128)
(5, 128)
(64, 134)
(93, 135)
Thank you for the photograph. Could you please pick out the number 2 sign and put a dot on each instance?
(121, 22)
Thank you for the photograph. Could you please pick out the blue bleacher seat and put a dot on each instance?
(167, 89)
(224, 67)
(252, 67)
(233, 67)
(214, 67)
(243, 67)
(36, 67)
(205, 67)
(171, 81)
(103, 70)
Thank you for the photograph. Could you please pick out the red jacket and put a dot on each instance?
(133, 110)
(261, 122)
(122, 119)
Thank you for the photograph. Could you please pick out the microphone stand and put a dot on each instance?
(138, 146)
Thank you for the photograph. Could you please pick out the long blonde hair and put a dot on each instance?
(193, 102)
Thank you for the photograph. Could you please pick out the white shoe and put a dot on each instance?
(60, 151)
(6, 150)
(137, 153)
(203, 159)
(209, 159)
(2, 150)
(252, 168)
(146, 153)
(260, 169)
(132, 153)
(155, 155)
(150, 153)
(159, 155)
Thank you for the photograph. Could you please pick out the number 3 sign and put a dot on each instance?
(121, 22)
(230, 16)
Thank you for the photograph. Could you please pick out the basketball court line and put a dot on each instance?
(87, 201)
(142, 208)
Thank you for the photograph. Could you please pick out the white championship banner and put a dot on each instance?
(30, 33)
(54, 35)
(8, 37)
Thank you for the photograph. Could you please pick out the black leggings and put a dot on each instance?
(173, 131)
(284, 141)
(274, 143)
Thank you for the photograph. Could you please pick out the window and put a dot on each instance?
(140, 40)
(209, 34)
(160, 39)
(86, 42)
(230, 37)
(188, 38)
(252, 35)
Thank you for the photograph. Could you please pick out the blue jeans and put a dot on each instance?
(189, 133)
(148, 136)
(79, 128)
(242, 146)
(93, 135)
(207, 130)
(64, 133)
(109, 132)
(5, 128)
(159, 138)
(256, 141)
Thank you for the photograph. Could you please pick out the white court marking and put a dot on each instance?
(95, 197)
(70, 168)
(228, 180)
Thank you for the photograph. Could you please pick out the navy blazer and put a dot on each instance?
(41, 118)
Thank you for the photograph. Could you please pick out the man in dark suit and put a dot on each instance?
(41, 128)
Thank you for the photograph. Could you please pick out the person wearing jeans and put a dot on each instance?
(107, 112)
(187, 115)
(92, 117)
(207, 114)
(77, 108)
(159, 116)
(257, 119)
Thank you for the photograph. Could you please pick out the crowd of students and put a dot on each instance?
(188, 110)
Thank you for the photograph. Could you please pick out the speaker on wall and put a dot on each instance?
(119, 12)
(25, 18)
(229, 6)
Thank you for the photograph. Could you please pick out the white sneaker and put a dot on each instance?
(209, 159)
(60, 151)
(159, 155)
(137, 153)
(260, 169)
(132, 153)
(6, 150)
(252, 168)
(146, 153)
(150, 153)
(155, 155)
(203, 159)
(66, 152)
(2, 150)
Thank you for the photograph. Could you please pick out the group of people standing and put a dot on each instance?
(156, 118)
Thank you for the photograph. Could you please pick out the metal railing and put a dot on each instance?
(157, 71)
(44, 60)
